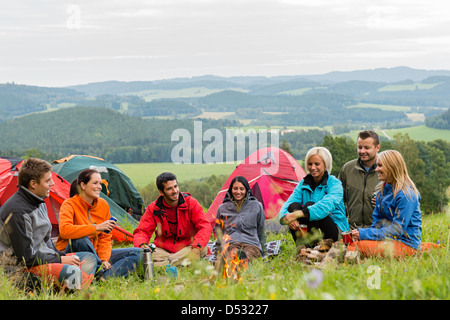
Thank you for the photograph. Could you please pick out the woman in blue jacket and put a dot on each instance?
(397, 226)
(317, 201)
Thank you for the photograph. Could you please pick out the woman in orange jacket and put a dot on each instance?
(84, 222)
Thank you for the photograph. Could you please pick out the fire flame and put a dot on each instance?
(234, 267)
(229, 264)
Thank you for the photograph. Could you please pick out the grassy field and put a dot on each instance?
(419, 133)
(422, 133)
(143, 174)
(421, 277)
(410, 87)
(149, 95)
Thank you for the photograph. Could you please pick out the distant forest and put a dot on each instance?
(134, 121)
(440, 121)
(118, 138)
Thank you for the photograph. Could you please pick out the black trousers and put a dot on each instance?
(326, 226)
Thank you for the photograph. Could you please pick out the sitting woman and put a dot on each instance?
(317, 201)
(240, 224)
(84, 223)
(397, 226)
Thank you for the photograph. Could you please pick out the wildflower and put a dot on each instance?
(314, 278)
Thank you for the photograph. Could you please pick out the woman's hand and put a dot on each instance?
(355, 235)
(294, 225)
(106, 265)
(107, 226)
(291, 218)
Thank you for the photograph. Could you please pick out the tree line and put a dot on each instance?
(427, 164)
(441, 121)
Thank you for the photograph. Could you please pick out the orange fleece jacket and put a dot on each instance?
(77, 219)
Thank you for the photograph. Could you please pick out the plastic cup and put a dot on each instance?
(171, 271)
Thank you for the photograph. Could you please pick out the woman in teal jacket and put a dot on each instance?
(397, 225)
(317, 201)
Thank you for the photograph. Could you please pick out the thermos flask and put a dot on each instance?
(147, 262)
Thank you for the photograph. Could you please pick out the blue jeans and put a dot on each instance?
(123, 261)
(89, 265)
(66, 274)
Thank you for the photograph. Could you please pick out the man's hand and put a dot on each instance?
(73, 260)
(194, 255)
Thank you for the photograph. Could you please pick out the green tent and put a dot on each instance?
(117, 186)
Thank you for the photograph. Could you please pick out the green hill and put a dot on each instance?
(87, 130)
(329, 99)
(96, 131)
(17, 100)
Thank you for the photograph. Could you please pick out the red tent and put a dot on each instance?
(272, 174)
(9, 169)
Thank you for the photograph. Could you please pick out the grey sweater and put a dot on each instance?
(26, 229)
(246, 226)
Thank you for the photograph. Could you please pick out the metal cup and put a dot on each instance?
(303, 228)
(113, 219)
(347, 237)
(147, 263)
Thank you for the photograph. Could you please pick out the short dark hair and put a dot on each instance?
(163, 178)
(369, 134)
(32, 169)
(84, 176)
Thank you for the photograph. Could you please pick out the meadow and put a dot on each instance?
(142, 174)
(424, 276)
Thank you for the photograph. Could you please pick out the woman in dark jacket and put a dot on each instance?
(240, 223)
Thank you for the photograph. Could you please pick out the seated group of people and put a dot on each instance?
(84, 245)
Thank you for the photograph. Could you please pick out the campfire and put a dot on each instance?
(231, 264)
(234, 266)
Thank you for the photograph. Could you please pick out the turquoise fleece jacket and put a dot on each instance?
(327, 197)
(396, 218)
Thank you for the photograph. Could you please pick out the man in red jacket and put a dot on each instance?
(182, 230)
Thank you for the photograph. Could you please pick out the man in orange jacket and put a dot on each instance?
(182, 230)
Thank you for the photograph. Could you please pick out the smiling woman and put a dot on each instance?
(85, 224)
(396, 229)
(317, 201)
(240, 226)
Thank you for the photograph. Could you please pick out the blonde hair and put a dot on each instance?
(395, 167)
(324, 154)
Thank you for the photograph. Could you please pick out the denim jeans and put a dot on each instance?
(88, 262)
(123, 261)
(64, 274)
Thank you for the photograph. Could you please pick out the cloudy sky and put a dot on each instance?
(60, 42)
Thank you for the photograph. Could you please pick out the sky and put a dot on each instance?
(60, 43)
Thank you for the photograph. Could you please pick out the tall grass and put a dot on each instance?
(424, 276)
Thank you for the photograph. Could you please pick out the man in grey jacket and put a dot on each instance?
(359, 180)
(25, 231)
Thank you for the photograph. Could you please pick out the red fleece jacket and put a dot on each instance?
(192, 226)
